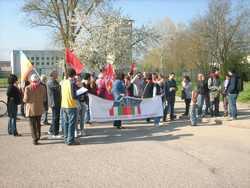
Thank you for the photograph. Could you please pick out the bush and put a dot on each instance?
(244, 96)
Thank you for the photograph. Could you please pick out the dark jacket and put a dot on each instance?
(45, 103)
(168, 85)
(202, 87)
(14, 98)
(54, 93)
(130, 90)
(232, 86)
(149, 90)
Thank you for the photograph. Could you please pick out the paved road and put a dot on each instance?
(175, 155)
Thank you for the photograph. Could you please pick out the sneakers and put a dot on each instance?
(158, 124)
(49, 133)
(76, 134)
(83, 133)
(55, 136)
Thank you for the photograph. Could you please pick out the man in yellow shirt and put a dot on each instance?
(69, 107)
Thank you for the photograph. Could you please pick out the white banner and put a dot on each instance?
(128, 108)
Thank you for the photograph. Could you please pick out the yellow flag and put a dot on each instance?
(26, 66)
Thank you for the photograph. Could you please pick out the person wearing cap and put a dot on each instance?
(34, 97)
(69, 107)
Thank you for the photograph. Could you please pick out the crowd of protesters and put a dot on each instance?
(71, 111)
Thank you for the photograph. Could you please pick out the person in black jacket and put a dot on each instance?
(54, 102)
(151, 90)
(232, 94)
(13, 100)
(170, 92)
(44, 118)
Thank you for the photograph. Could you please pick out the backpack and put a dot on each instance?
(239, 84)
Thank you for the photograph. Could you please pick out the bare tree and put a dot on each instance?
(59, 15)
(227, 31)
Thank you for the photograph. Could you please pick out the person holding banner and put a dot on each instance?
(151, 90)
(131, 89)
(118, 91)
(82, 106)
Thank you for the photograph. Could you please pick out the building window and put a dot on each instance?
(37, 58)
(52, 63)
(37, 63)
(57, 58)
(42, 63)
(52, 58)
(47, 63)
(42, 58)
(47, 58)
(32, 58)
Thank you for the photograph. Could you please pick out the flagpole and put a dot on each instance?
(37, 73)
(64, 65)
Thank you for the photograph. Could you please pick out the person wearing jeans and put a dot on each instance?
(232, 94)
(118, 91)
(13, 100)
(69, 107)
(69, 117)
(202, 91)
(170, 92)
(194, 109)
(54, 102)
(232, 98)
(44, 117)
(187, 88)
(81, 108)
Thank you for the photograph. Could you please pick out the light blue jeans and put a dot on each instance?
(12, 126)
(200, 103)
(194, 114)
(44, 117)
(69, 116)
(157, 120)
(81, 111)
(232, 105)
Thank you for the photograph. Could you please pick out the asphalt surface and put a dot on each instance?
(174, 155)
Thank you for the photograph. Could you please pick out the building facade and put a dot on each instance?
(44, 61)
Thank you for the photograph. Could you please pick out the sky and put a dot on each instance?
(15, 33)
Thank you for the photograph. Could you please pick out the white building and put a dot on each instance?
(44, 61)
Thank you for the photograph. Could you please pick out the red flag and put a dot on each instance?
(109, 76)
(73, 61)
(133, 68)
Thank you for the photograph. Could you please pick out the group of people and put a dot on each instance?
(72, 110)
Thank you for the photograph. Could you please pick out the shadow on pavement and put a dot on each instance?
(134, 133)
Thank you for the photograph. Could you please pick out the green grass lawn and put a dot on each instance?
(245, 94)
(3, 82)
